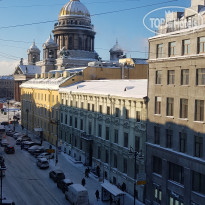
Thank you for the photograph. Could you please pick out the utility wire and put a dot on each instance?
(109, 12)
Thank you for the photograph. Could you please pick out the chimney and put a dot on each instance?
(196, 3)
(50, 75)
(42, 75)
(57, 75)
(66, 74)
(45, 75)
(36, 76)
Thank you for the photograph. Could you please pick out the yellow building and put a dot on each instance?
(41, 100)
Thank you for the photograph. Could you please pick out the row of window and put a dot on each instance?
(185, 48)
(182, 140)
(184, 108)
(200, 77)
(176, 173)
(117, 112)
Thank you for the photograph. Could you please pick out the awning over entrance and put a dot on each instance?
(111, 192)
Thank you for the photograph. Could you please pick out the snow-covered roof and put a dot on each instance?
(139, 61)
(6, 77)
(116, 48)
(33, 47)
(30, 69)
(112, 189)
(121, 88)
(45, 83)
(50, 42)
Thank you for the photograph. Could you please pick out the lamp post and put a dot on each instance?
(27, 111)
(134, 152)
(56, 122)
(8, 109)
(2, 168)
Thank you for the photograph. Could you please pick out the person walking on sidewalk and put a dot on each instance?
(83, 182)
(97, 194)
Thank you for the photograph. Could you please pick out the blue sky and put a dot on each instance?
(126, 26)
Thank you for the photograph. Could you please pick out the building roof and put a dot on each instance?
(74, 8)
(121, 88)
(116, 48)
(140, 61)
(30, 69)
(45, 83)
(6, 77)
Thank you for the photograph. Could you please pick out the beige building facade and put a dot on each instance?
(176, 117)
(101, 122)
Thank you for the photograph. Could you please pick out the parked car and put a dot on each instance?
(5, 123)
(28, 144)
(6, 201)
(36, 148)
(10, 133)
(4, 142)
(63, 184)
(42, 163)
(77, 194)
(46, 155)
(56, 175)
(17, 135)
(9, 149)
(21, 139)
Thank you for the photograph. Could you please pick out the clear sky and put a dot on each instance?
(126, 26)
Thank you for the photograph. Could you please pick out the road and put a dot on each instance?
(26, 184)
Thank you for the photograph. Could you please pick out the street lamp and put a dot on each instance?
(2, 168)
(8, 109)
(27, 111)
(56, 122)
(135, 153)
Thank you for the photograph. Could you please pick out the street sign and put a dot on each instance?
(50, 150)
(141, 182)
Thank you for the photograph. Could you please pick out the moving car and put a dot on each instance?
(63, 184)
(42, 163)
(56, 175)
(77, 194)
(9, 149)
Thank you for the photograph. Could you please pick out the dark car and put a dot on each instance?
(5, 123)
(63, 184)
(9, 149)
(10, 133)
(56, 175)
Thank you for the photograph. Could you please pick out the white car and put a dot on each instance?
(46, 155)
(42, 163)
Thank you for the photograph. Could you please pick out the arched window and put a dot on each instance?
(70, 43)
(80, 45)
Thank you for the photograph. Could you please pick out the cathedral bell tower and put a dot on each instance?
(33, 54)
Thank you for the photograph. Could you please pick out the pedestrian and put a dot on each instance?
(83, 182)
(97, 194)
(111, 200)
(86, 173)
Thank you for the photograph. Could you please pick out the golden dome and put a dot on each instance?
(74, 8)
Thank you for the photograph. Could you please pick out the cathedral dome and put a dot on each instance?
(116, 48)
(74, 8)
(50, 42)
(33, 48)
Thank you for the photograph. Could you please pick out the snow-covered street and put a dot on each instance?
(25, 183)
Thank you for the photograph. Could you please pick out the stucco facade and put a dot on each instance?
(176, 129)
(99, 129)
